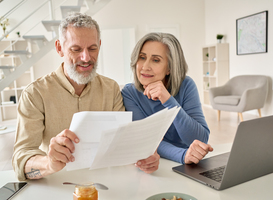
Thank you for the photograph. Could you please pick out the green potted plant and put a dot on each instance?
(219, 37)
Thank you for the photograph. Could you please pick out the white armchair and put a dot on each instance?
(239, 94)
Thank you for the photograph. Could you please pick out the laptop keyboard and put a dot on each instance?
(215, 174)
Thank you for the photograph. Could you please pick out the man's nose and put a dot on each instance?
(85, 56)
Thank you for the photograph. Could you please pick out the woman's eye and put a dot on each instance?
(156, 60)
(141, 58)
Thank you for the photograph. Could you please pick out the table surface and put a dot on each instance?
(128, 182)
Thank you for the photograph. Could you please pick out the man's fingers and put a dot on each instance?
(66, 139)
(64, 142)
(61, 147)
(56, 156)
(69, 134)
(59, 152)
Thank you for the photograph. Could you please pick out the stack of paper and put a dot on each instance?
(110, 139)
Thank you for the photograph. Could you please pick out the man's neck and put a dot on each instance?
(78, 88)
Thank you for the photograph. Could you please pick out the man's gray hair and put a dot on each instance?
(79, 20)
(176, 61)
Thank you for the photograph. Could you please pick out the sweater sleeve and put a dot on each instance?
(29, 134)
(189, 123)
(169, 151)
(131, 104)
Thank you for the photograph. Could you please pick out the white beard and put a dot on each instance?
(80, 78)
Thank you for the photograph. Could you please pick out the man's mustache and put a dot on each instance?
(85, 63)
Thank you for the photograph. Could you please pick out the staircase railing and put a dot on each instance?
(12, 10)
(18, 24)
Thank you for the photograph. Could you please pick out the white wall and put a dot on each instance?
(114, 56)
(187, 15)
(220, 17)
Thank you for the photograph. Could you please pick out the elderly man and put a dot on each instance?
(43, 143)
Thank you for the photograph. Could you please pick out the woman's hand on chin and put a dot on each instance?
(157, 90)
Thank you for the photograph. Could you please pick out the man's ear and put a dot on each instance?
(59, 48)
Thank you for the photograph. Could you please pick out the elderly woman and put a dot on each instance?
(160, 69)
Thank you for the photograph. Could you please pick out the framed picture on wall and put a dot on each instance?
(251, 33)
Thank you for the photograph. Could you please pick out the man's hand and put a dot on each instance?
(196, 152)
(150, 164)
(156, 91)
(60, 151)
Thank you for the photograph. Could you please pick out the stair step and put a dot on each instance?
(52, 25)
(17, 52)
(34, 37)
(38, 39)
(6, 70)
(7, 67)
(66, 9)
(23, 54)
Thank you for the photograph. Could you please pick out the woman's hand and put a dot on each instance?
(150, 164)
(156, 91)
(196, 152)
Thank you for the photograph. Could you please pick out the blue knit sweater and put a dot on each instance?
(188, 125)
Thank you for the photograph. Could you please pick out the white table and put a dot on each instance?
(129, 183)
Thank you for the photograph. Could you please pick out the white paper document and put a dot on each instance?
(88, 126)
(124, 144)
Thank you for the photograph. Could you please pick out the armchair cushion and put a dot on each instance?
(227, 100)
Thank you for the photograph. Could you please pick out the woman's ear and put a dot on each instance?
(58, 47)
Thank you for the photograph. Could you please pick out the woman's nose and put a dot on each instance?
(85, 56)
(146, 65)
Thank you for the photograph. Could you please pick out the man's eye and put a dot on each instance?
(75, 50)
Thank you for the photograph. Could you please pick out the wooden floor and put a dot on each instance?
(223, 131)
(220, 133)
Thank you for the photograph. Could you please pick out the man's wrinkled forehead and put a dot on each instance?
(72, 36)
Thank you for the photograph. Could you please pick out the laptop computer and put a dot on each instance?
(251, 156)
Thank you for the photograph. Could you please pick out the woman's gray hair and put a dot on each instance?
(176, 61)
(79, 20)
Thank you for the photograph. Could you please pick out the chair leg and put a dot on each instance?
(259, 111)
(218, 115)
(241, 116)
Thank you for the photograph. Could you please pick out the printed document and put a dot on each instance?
(88, 126)
(124, 144)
